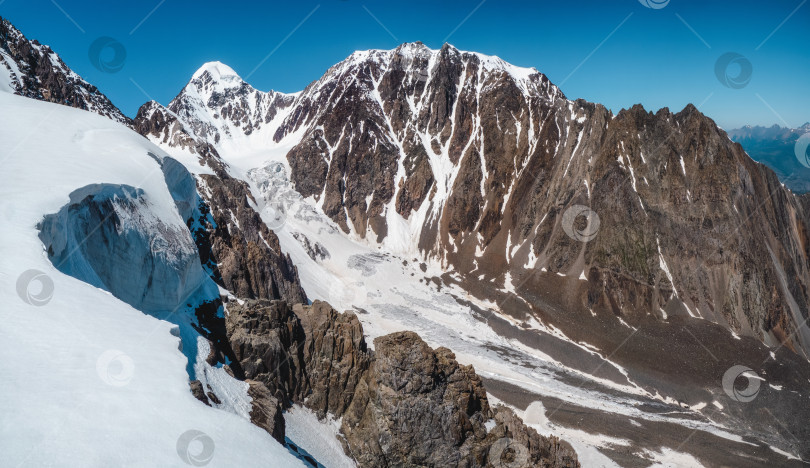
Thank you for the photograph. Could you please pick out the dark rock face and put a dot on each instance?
(335, 355)
(403, 405)
(267, 340)
(419, 407)
(310, 353)
(266, 411)
(37, 72)
(250, 260)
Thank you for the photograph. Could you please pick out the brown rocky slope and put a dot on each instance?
(485, 158)
(403, 404)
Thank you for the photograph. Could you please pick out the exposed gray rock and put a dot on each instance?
(315, 250)
(266, 411)
(419, 407)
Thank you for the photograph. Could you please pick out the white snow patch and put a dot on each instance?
(321, 439)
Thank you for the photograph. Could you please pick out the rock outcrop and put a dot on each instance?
(266, 410)
(335, 356)
(404, 404)
(37, 72)
(418, 407)
(267, 340)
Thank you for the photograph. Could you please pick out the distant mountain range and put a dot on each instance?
(775, 147)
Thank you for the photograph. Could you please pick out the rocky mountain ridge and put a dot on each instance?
(473, 162)
(33, 70)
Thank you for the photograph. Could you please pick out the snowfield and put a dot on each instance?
(87, 380)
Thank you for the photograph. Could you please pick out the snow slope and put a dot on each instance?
(87, 380)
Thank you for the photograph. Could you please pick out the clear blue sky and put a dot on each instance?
(658, 57)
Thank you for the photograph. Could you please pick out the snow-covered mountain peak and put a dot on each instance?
(214, 78)
(409, 51)
(217, 70)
